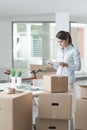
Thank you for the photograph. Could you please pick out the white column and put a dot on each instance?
(62, 21)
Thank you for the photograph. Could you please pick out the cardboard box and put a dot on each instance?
(36, 67)
(55, 84)
(15, 111)
(56, 105)
(81, 114)
(83, 91)
(50, 69)
(52, 124)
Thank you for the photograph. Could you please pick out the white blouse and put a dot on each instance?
(71, 56)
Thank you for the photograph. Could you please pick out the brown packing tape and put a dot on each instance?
(10, 90)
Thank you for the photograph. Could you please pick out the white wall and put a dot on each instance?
(5, 48)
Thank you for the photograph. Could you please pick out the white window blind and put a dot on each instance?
(36, 47)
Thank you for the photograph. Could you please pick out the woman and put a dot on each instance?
(68, 57)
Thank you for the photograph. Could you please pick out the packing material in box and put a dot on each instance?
(55, 83)
(54, 124)
(81, 114)
(83, 91)
(15, 111)
(56, 105)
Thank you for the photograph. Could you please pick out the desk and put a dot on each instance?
(22, 88)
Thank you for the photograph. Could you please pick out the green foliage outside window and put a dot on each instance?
(21, 27)
(36, 30)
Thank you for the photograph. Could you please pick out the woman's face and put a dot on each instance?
(63, 43)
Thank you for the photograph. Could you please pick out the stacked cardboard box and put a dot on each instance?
(56, 108)
(81, 109)
(55, 84)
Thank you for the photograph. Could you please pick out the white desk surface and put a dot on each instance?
(23, 88)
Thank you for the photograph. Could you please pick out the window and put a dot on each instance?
(79, 38)
(32, 43)
(36, 41)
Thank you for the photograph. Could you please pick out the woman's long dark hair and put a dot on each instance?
(63, 35)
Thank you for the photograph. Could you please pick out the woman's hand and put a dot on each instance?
(63, 64)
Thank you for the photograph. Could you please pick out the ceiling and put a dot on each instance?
(27, 7)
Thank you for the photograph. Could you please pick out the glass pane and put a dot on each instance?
(33, 43)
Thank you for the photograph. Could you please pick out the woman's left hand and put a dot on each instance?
(63, 64)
